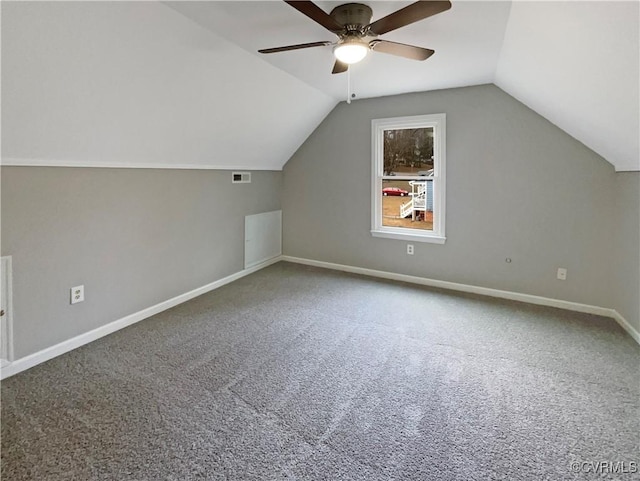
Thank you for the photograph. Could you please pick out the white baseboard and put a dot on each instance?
(626, 326)
(39, 357)
(485, 291)
(24, 363)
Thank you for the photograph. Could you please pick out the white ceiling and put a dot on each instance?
(574, 62)
(135, 84)
(467, 40)
(168, 84)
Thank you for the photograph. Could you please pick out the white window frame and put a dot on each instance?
(378, 126)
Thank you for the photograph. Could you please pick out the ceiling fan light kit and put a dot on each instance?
(356, 35)
(351, 51)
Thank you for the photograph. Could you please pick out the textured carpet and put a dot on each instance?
(300, 373)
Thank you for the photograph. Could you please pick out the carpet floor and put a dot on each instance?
(299, 373)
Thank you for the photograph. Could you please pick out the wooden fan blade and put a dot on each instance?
(294, 47)
(340, 67)
(408, 15)
(401, 49)
(316, 14)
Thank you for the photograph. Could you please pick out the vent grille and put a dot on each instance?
(241, 177)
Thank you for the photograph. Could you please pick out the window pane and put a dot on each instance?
(408, 151)
(407, 203)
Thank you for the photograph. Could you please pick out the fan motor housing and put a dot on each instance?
(353, 16)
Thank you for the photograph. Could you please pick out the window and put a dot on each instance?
(408, 182)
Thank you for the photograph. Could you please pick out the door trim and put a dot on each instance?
(6, 281)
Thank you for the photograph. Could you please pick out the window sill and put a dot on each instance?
(430, 238)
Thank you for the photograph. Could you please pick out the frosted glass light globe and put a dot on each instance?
(351, 52)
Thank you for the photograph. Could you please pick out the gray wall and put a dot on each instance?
(133, 237)
(627, 247)
(517, 187)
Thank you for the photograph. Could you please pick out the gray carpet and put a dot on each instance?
(299, 373)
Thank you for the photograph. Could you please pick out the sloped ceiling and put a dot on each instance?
(466, 38)
(574, 62)
(181, 83)
(134, 84)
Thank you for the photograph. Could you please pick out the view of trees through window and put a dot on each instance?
(408, 202)
(408, 150)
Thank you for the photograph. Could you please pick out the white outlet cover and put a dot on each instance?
(77, 294)
(562, 274)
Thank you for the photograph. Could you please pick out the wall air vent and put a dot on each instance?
(241, 177)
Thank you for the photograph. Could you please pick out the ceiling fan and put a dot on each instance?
(356, 35)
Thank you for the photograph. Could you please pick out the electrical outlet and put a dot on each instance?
(77, 294)
(410, 249)
(562, 273)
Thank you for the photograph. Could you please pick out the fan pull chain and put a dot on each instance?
(349, 86)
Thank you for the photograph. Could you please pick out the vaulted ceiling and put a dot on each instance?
(181, 84)
(467, 39)
(574, 62)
